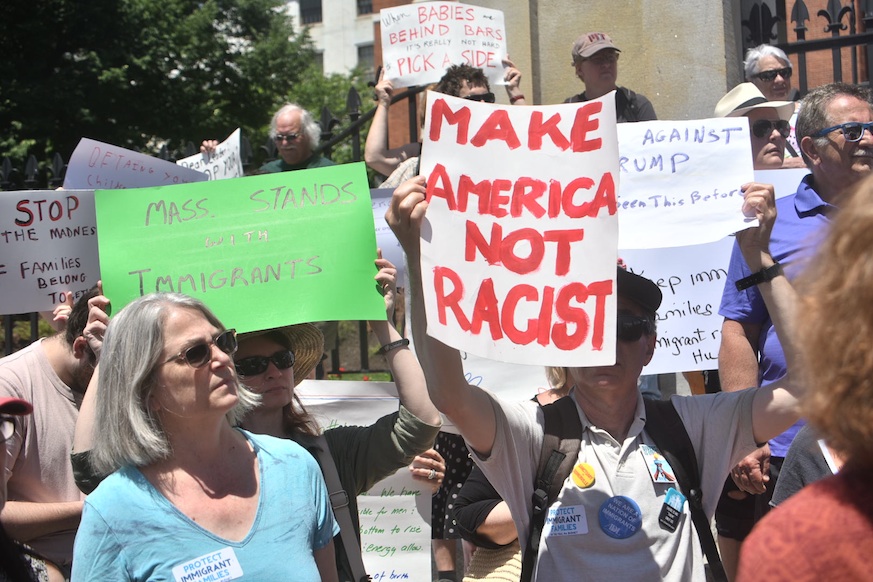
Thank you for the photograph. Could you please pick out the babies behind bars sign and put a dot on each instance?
(420, 41)
(519, 243)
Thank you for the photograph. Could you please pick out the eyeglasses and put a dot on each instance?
(254, 365)
(486, 97)
(606, 58)
(764, 127)
(769, 76)
(289, 137)
(7, 427)
(632, 327)
(852, 131)
(200, 354)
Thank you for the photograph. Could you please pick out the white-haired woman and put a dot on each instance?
(189, 495)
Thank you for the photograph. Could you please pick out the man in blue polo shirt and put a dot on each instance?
(834, 132)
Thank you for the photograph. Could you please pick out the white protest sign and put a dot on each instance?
(385, 239)
(395, 513)
(101, 166)
(48, 245)
(692, 279)
(680, 181)
(519, 241)
(224, 162)
(420, 41)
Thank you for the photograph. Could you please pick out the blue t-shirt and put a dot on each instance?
(130, 531)
(801, 224)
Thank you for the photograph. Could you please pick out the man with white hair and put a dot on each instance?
(296, 134)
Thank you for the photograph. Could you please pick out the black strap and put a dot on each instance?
(665, 428)
(561, 420)
(339, 500)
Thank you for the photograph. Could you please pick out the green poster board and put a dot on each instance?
(261, 251)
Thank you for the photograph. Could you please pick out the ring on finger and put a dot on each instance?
(432, 475)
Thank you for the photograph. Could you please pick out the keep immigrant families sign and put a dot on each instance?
(519, 244)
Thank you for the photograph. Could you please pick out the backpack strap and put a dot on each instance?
(561, 441)
(626, 104)
(339, 500)
(665, 428)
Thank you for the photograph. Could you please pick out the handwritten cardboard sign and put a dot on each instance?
(48, 246)
(262, 251)
(101, 166)
(680, 181)
(395, 514)
(224, 162)
(420, 41)
(519, 244)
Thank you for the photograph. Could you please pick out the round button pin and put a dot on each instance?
(583, 475)
(620, 517)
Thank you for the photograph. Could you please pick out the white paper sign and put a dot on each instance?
(680, 181)
(692, 280)
(519, 241)
(420, 41)
(395, 513)
(224, 162)
(48, 245)
(385, 238)
(101, 166)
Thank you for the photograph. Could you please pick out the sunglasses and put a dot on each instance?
(254, 365)
(632, 327)
(486, 97)
(289, 137)
(200, 354)
(7, 427)
(852, 131)
(764, 127)
(771, 75)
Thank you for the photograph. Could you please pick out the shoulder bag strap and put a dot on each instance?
(339, 500)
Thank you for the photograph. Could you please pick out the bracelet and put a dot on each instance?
(762, 276)
(516, 98)
(401, 343)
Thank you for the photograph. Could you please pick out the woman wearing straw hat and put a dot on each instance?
(273, 362)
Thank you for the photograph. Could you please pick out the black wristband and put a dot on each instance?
(761, 276)
(401, 343)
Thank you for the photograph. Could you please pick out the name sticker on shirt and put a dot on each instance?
(659, 469)
(221, 565)
(566, 520)
(671, 511)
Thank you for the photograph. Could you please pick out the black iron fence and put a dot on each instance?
(351, 350)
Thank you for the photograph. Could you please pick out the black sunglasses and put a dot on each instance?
(200, 354)
(631, 328)
(486, 97)
(771, 75)
(280, 137)
(763, 127)
(254, 365)
(852, 131)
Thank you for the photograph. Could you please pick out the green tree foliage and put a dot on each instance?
(141, 73)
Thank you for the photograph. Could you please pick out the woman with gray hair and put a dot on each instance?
(189, 495)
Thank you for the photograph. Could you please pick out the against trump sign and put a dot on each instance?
(519, 246)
